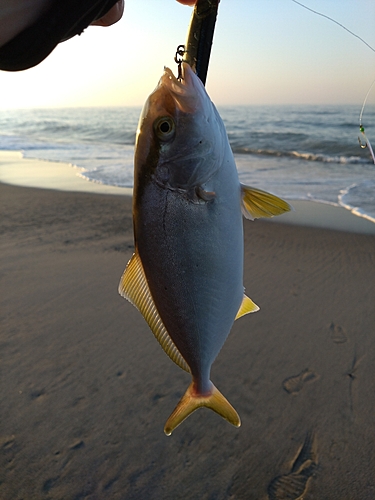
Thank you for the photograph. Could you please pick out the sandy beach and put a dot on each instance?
(85, 388)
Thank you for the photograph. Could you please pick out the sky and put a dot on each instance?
(264, 52)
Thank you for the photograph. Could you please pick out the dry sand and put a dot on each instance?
(85, 388)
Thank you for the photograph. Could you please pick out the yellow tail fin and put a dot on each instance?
(191, 401)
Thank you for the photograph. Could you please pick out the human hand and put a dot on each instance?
(116, 12)
(22, 27)
(112, 16)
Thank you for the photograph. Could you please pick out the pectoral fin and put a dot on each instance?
(247, 306)
(257, 203)
(133, 287)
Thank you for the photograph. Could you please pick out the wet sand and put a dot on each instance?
(85, 388)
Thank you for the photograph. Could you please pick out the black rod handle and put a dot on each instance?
(200, 36)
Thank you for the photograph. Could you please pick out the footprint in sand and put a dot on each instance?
(293, 486)
(6, 442)
(338, 334)
(77, 445)
(294, 384)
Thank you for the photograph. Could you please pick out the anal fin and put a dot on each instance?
(134, 287)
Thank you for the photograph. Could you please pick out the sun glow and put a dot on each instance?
(262, 53)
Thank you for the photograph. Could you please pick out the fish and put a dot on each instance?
(186, 273)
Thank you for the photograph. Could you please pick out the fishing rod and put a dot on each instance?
(197, 49)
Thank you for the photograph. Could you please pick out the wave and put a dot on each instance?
(120, 174)
(319, 157)
(359, 199)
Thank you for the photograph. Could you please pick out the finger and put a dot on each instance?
(187, 2)
(112, 16)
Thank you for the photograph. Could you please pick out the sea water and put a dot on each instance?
(297, 152)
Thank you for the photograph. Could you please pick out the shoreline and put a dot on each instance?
(45, 174)
(27, 172)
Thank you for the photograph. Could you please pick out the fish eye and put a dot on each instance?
(164, 128)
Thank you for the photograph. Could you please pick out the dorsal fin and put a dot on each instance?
(257, 203)
(133, 287)
(247, 306)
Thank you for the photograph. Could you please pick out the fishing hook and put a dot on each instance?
(367, 143)
(362, 130)
(178, 58)
(363, 145)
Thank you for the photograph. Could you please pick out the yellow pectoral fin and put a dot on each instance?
(257, 203)
(247, 307)
(134, 287)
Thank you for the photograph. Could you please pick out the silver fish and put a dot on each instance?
(186, 275)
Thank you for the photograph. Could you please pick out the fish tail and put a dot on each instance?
(191, 401)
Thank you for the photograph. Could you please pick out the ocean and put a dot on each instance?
(297, 152)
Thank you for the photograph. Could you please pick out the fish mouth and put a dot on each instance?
(186, 91)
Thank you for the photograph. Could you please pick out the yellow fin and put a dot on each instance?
(134, 287)
(247, 306)
(257, 203)
(191, 401)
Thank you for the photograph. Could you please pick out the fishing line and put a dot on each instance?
(361, 127)
(336, 22)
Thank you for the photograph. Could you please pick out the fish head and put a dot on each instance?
(181, 138)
